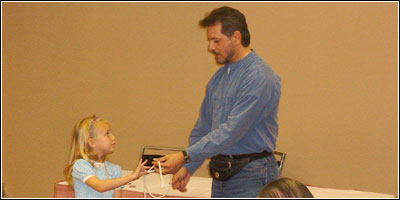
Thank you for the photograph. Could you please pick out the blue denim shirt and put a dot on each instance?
(239, 112)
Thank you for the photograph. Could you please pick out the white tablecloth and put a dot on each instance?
(201, 187)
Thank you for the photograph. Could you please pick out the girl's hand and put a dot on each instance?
(140, 170)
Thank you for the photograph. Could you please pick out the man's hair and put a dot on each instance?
(231, 20)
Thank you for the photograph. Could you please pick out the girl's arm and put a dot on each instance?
(109, 184)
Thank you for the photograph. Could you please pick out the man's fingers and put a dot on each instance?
(164, 170)
(162, 159)
(182, 186)
(175, 185)
(174, 180)
(182, 189)
(162, 163)
(178, 185)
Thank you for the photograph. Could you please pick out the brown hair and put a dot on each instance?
(231, 19)
(285, 188)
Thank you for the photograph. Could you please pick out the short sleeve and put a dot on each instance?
(82, 169)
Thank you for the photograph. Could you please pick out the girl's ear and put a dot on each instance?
(91, 142)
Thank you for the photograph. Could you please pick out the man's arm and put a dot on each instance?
(252, 99)
(202, 127)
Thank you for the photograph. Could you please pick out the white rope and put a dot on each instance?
(161, 180)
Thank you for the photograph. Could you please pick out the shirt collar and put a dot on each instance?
(98, 164)
(236, 64)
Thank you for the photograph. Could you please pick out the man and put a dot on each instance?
(237, 127)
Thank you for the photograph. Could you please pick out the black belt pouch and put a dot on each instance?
(222, 168)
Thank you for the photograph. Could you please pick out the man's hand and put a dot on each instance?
(181, 179)
(170, 163)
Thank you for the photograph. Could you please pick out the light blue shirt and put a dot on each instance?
(239, 112)
(83, 169)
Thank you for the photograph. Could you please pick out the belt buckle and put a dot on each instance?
(216, 175)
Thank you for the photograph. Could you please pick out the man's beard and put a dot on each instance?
(228, 58)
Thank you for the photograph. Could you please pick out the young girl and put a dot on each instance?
(88, 170)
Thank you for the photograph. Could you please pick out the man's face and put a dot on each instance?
(219, 44)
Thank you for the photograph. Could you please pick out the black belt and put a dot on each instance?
(223, 167)
(252, 156)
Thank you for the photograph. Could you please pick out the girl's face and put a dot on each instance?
(103, 142)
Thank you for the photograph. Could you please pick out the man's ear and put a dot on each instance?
(237, 37)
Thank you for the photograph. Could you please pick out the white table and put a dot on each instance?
(200, 187)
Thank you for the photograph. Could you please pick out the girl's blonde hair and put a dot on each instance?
(80, 148)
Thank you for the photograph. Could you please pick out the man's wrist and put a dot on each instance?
(186, 157)
(187, 171)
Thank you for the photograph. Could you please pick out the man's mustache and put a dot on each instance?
(215, 53)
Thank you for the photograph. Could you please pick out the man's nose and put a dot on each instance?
(211, 47)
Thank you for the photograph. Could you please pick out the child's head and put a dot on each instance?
(91, 140)
(285, 188)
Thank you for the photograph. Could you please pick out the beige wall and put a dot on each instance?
(144, 67)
